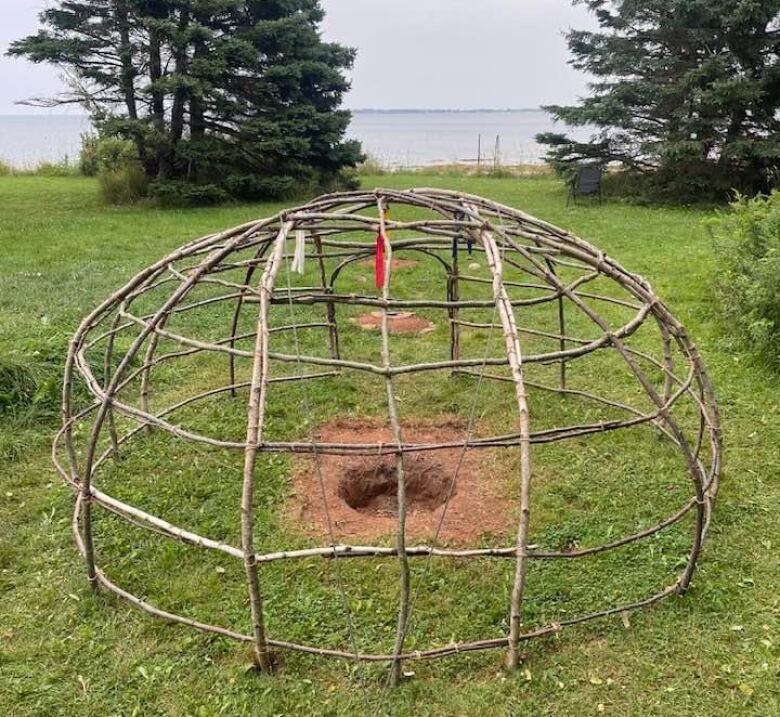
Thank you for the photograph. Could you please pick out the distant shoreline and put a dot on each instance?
(476, 110)
(360, 110)
(392, 137)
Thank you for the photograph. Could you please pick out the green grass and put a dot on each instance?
(64, 651)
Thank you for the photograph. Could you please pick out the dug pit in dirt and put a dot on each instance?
(372, 489)
(361, 490)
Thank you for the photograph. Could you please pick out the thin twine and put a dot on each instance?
(461, 459)
(320, 479)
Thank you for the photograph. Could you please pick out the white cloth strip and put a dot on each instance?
(299, 258)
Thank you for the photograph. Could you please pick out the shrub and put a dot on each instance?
(186, 194)
(122, 186)
(6, 170)
(251, 187)
(88, 157)
(121, 177)
(747, 242)
(63, 168)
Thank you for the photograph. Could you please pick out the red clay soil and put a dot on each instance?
(361, 490)
(395, 263)
(402, 322)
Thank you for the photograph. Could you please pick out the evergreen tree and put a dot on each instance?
(242, 96)
(686, 93)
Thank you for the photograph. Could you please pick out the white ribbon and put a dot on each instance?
(300, 251)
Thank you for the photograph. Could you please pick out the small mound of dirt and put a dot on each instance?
(398, 322)
(373, 489)
(360, 490)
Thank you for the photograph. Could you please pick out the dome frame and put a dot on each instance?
(504, 237)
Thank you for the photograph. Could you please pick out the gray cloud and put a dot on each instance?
(411, 53)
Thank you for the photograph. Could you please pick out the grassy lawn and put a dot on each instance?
(63, 651)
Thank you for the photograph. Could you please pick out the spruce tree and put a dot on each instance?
(686, 93)
(238, 97)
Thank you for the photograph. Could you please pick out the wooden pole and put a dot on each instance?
(330, 307)
(395, 427)
(257, 401)
(516, 365)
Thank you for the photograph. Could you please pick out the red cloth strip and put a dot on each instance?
(379, 262)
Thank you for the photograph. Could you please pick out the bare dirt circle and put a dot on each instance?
(360, 491)
(395, 263)
(398, 322)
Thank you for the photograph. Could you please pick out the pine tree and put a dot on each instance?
(239, 96)
(686, 93)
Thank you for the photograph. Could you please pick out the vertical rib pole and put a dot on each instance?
(668, 360)
(254, 432)
(147, 370)
(561, 326)
(84, 504)
(453, 295)
(330, 307)
(515, 357)
(237, 316)
(403, 609)
(108, 358)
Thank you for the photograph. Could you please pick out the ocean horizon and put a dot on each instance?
(395, 138)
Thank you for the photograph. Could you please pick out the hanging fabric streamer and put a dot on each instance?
(459, 217)
(470, 238)
(379, 260)
(299, 257)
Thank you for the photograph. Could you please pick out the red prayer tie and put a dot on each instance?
(379, 262)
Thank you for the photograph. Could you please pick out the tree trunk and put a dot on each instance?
(197, 111)
(158, 103)
(127, 74)
(180, 95)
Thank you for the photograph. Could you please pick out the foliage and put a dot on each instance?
(88, 156)
(748, 282)
(120, 175)
(686, 94)
(242, 95)
(62, 168)
(6, 170)
(186, 194)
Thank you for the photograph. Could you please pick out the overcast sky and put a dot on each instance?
(454, 54)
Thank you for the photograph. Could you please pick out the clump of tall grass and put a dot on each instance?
(89, 162)
(371, 167)
(486, 171)
(30, 390)
(17, 385)
(121, 177)
(62, 168)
